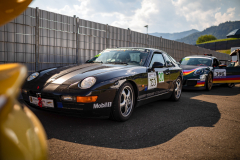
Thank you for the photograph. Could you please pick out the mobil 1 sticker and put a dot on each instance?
(152, 80)
(160, 77)
(218, 73)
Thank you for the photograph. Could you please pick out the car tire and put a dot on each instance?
(123, 105)
(177, 91)
(209, 82)
(231, 85)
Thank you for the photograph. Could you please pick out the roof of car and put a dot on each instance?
(201, 56)
(152, 49)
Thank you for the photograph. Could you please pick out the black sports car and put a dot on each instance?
(111, 84)
(202, 71)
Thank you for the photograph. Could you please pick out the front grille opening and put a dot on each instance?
(191, 82)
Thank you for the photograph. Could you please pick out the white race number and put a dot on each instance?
(219, 73)
(152, 80)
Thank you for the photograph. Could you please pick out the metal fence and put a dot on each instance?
(41, 39)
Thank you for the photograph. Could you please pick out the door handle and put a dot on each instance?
(167, 73)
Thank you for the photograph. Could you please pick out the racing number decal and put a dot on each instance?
(219, 73)
(152, 80)
(160, 77)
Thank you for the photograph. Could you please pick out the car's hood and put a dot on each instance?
(188, 70)
(71, 74)
(191, 67)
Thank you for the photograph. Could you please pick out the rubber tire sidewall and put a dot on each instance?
(207, 82)
(231, 85)
(115, 113)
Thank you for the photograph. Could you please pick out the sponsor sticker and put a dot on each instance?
(145, 89)
(102, 105)
(218, 73)
(160, 77)
(152, 80)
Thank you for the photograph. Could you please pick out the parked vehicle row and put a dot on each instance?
(116, 81)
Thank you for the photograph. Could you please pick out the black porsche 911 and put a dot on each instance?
(201, 72)
(111, 84)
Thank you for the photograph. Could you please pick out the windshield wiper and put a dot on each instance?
(118, 63)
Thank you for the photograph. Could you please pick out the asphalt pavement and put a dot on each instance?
(201, 125)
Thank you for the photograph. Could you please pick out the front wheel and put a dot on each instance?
(124, 103)
(177, 90)
(209, 82)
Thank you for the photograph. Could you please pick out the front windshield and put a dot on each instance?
(196, 61)
(121, 56)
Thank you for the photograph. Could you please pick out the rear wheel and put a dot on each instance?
(209, 82)
(177, 90)
(124, 103)
(231, 85)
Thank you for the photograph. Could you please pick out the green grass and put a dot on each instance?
(220, 40)
(225, 51)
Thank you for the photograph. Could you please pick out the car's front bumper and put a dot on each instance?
(193, 84)
(105, 100)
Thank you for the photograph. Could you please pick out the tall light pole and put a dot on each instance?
(147, 28)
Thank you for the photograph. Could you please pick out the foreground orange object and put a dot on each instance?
(10, 9)
(21, 133)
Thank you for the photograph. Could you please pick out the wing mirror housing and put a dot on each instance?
(157, 65)
(169, 64)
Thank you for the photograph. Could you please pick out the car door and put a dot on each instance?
(158, 78)
(225, 74)
(173, 68)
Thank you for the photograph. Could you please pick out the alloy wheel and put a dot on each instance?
(126, 102)
(178, 89)
(210, 81)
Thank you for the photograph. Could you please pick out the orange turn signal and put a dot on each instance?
(87, 99)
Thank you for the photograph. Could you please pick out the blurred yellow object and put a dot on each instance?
(10, 9)
(21, 133)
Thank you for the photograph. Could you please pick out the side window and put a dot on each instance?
(157, 57)
(168, 61)
(215, 63)
(173, 60)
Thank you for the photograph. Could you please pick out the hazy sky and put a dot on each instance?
(165, 16)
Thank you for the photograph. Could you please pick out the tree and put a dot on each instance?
(205, 38)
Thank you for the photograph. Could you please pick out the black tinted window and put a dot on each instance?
(157, 57)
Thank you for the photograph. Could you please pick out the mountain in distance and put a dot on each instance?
(219, 32)
(174, 36)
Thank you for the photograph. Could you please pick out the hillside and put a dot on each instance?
(219, 32)
(174, 36)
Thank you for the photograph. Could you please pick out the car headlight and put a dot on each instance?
(199, 71)
(32, 76)
(88, 82)
(203, 77)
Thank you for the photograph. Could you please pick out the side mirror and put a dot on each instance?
(178, 63)
(169, 64)
(157, 65)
